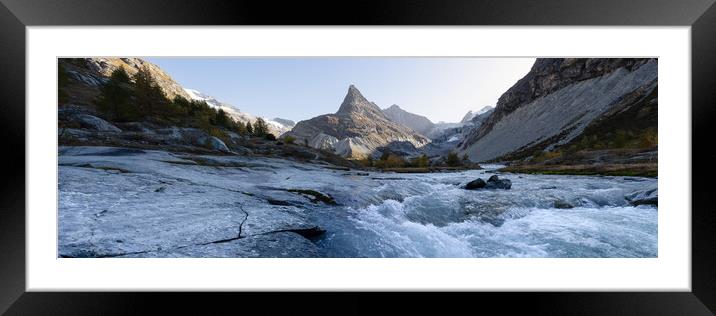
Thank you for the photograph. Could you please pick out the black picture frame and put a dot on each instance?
(15, 15)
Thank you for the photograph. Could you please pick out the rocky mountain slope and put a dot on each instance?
(418, 123)
(95, 71)
(556, 101)
(88, 74)
(355, 130)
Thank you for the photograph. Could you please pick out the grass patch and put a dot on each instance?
(635, 170)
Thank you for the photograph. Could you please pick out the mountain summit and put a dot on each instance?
(471, 115)
(357, 129)
(418, 123)
(355, 102)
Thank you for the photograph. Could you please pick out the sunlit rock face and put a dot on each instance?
(556, 100)
(418, 123)
(105, 67)
(356, 130)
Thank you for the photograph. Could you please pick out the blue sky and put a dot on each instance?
(442, 89)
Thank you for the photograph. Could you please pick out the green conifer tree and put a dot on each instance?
(249, 128)
(115, 97)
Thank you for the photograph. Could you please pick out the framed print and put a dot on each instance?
(475, 147)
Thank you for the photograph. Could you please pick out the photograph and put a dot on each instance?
(498, 150)
(357, 157)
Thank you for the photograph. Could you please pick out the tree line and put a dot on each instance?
(390, 160)
(125, 98)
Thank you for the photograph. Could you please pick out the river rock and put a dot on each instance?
(475, 184)
(643, 197)
(562, 204)
(494, 182)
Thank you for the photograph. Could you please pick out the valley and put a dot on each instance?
(564, 165)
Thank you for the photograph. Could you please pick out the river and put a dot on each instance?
(135, 203)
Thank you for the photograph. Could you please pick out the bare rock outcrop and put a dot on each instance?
(556, 101)
(356, 130)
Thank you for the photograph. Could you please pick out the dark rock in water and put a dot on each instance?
(278, 202)
(645, 197)
(338, 168)
(308, 232)
(562, 204)
(494, 182)
(356, 174)
(475, 184)
(316, 196)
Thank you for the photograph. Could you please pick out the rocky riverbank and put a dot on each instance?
(130, 202)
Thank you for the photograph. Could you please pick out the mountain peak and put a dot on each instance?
(357, 130)
(354, 95)
(418, 123)
(356, 102)
(484, 110)
(471, 115)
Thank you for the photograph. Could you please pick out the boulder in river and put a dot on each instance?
(494, 182)
(475, 184)
(562, 204)
(644, 197)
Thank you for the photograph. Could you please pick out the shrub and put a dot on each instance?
(366, 162)
(452, 159)
(621, 137)
(422, 161)
(390, 161)
(218, 133)
(541, 156)
(649, 138)
(289, 139)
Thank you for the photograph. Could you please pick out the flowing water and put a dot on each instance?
(115, 202)
(429, 215)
